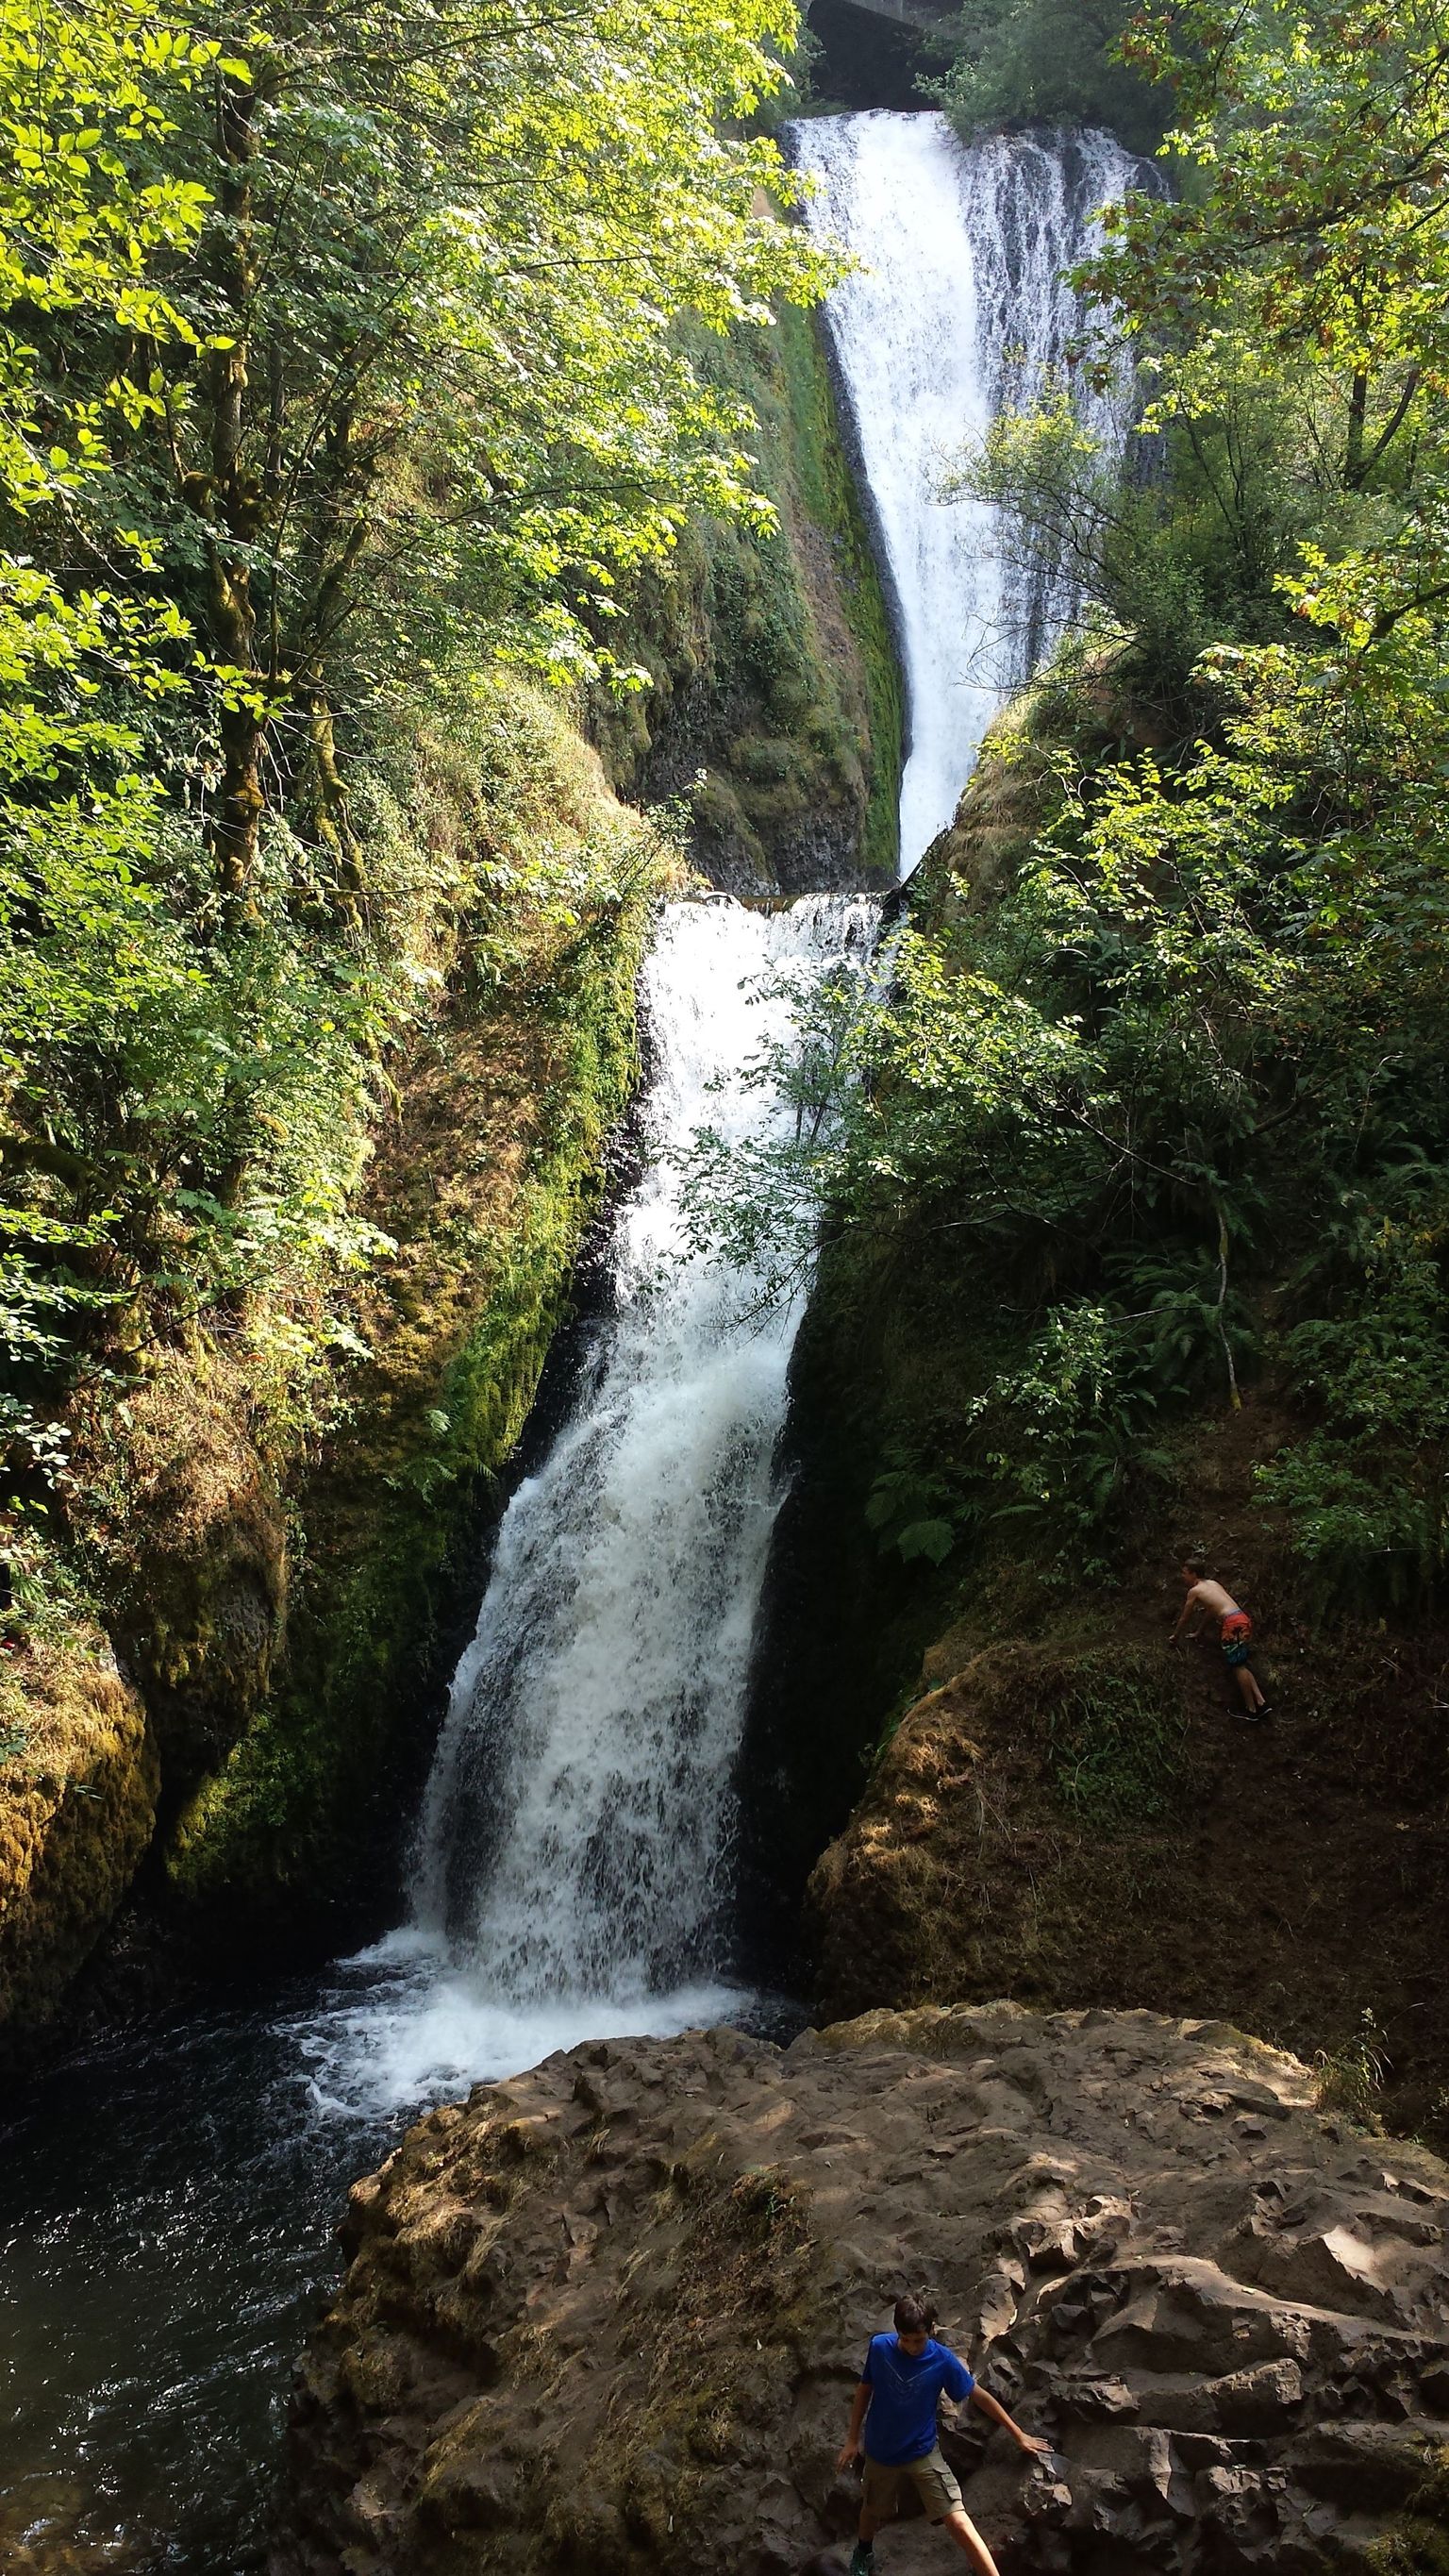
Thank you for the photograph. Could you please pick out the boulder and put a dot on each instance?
(610, 2314)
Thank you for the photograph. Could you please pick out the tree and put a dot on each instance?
(1316, 233)
(1021, 61)
(88, 92)
(439, 379)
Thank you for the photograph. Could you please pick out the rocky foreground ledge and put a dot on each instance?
(609, 2315)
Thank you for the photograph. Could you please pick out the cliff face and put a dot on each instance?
(1070, 1813)
(611, 2314)
(1070, 1822)
(483, 1180)
(773, 719)
(274, 1530)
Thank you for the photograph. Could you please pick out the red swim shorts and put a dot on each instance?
(1234, 1635)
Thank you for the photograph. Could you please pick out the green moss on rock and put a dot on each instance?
(79, 1776)
(774, 711)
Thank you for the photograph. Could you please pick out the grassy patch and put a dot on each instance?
(1114, 1741)
(1420, 2545)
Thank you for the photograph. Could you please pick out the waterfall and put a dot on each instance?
(572, 1870)
(165, 2235)
(958, 310)
(575, 1851)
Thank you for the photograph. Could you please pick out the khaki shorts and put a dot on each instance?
(933, 2481)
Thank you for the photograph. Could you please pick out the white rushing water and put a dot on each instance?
(958, 311)
(574, 1854)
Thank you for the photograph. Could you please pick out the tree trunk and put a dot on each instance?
(236, 822)
(333, 822)
(1353, 452)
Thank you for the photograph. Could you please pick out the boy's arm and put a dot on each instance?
(1190, 1605)
(851, 2448)
(991, 2406)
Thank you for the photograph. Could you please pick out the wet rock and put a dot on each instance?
(609, 2315)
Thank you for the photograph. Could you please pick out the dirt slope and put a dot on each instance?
(1073, 1815)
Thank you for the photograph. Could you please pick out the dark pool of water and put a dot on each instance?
(167, 2206)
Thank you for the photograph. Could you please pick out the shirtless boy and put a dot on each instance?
(893, 2433)
(1235, 1629)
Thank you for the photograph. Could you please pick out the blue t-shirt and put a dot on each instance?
(900, 2421)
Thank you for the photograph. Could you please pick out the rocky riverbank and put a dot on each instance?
(610, 2314)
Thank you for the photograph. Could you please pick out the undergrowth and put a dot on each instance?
(1114, 1741)
(1350, 2077)
(1420, 2544)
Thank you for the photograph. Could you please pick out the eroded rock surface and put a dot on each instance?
(78, 1788)
(610, 2314)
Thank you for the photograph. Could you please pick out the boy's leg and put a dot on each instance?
(963, 2531)
(861, 2559)
(877, 2501)
(1248, 1691)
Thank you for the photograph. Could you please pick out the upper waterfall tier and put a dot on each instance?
(958, 310)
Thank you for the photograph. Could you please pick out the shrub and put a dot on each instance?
(1017, 61)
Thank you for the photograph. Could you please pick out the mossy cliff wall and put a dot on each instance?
(234, 1686)
(486, 1181)
(1030, 1794)
(775, 711)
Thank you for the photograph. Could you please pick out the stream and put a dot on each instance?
(167, 2198)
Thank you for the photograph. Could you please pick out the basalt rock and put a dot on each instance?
(610, 2314)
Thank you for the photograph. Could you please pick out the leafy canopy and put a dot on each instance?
(341, 362)
(1058, 61)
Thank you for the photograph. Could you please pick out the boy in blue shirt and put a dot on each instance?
(906, 2375)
